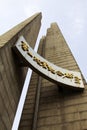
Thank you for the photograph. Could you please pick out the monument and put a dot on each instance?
(56, 97)
(12, 76)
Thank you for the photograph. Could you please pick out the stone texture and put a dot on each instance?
(12, 76)
(65, 109)
(58, 109)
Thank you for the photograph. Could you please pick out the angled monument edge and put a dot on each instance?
(47, 69)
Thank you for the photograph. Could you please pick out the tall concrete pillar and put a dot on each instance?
(12, 76)
(47, 107)
(60, 109)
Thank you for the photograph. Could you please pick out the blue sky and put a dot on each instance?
(70, 15)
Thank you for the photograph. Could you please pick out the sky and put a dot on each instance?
(70, 15)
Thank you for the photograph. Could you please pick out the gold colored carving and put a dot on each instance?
(59, 73)
(51, 69)
(77, 80)
(45, 65)
(24, 46)
(29, 54)
(68, 75)
(37, 60)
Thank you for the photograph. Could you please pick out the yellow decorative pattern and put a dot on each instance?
(45, 65)
(24, 46)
